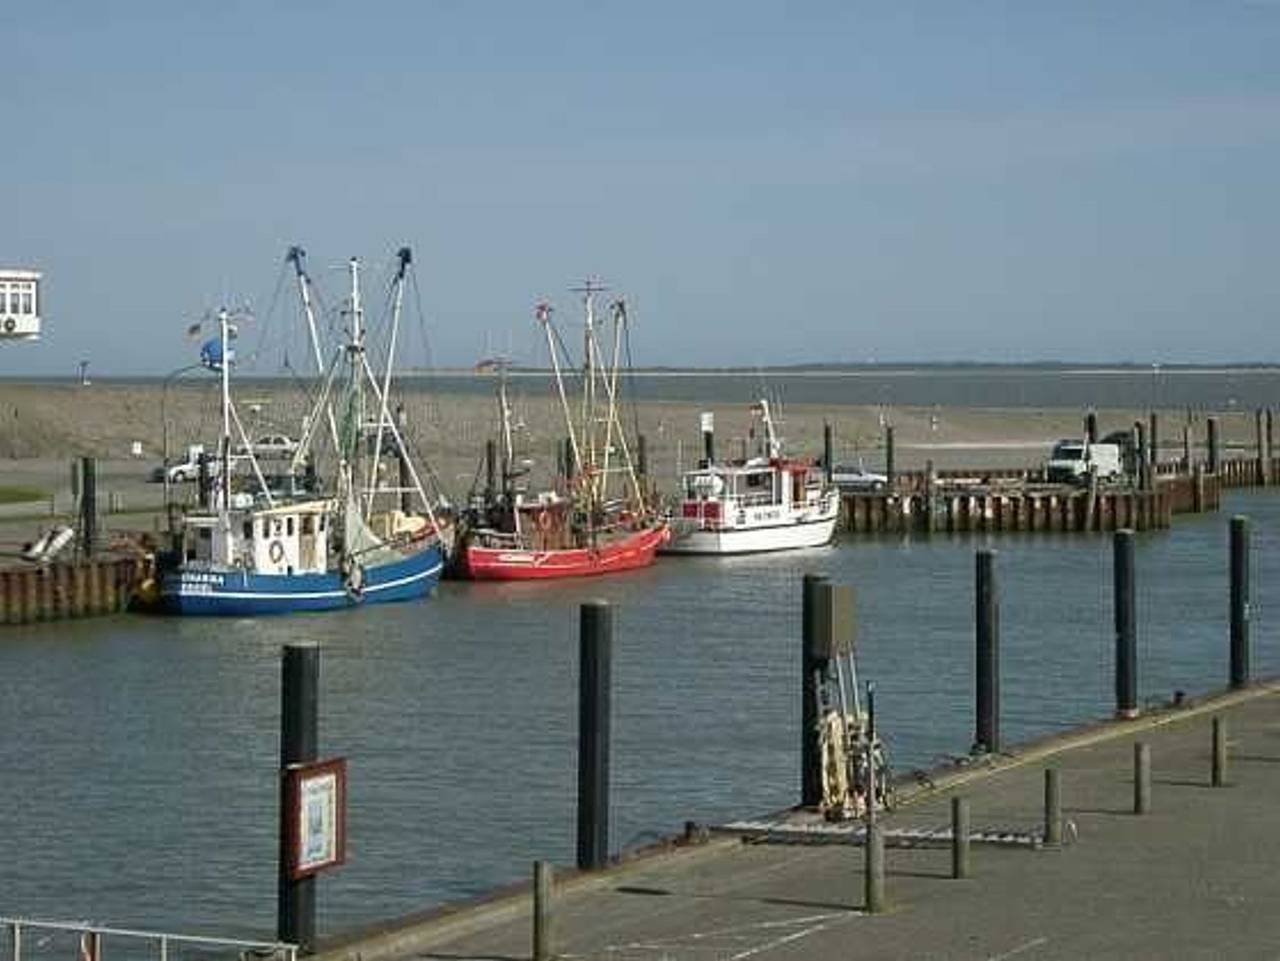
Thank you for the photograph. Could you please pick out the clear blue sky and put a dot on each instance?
(768, 183)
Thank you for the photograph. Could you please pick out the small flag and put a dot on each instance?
(194, 329)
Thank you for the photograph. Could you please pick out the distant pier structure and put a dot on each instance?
(19, 304)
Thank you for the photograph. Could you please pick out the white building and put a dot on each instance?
(19, 304)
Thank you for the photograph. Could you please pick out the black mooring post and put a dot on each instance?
(709, 446)
(1091, 427)
(299, 704)
(1153, 441)
(595, 666)
(1239, 601)
(811, 663)
(1126, 624)
(889, 465)
(827, 466)
(987, 621)
(88, 504)
(1215, 452)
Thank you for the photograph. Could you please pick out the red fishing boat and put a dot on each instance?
(586, 525)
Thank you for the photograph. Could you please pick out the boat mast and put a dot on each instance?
(384, 415)
(296, 256)
(590, 369)
(355, 384)
(543, 313)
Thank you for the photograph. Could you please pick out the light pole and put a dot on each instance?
(164, 419)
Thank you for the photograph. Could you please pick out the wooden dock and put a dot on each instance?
(1017, 501)
(57, 592)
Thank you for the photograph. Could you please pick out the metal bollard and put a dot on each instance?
(1141, 778)
(960, 862)
(987, 651)
(543, 880)
(1052, 807)
(595, 662)
(1239, 602)
(1218, 771)
(874, 870)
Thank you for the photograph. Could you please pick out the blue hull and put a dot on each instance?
(239, 593)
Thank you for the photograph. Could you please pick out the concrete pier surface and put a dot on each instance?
(1194, 878)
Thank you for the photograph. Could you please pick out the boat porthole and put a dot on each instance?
(276, 552)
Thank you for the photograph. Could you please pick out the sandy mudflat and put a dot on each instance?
(41, 426)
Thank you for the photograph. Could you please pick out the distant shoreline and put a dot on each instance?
(896, 369)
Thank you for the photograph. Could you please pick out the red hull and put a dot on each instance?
(504, 564)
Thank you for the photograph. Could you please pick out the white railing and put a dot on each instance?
(91, 950)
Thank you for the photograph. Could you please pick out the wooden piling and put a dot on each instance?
(1141, 778)
(873, 875)
(543, 885)
(1218, 765)
(961, 863)
(1052, 807)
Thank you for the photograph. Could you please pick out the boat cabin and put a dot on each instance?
(290, 539)
(755, 483)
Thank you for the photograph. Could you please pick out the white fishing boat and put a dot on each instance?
(766, 502)
(257, 546)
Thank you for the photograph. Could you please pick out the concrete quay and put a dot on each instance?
(1194, 878)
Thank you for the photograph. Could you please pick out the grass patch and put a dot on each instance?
(17, 494)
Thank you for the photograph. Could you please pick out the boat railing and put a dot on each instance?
(92, 937)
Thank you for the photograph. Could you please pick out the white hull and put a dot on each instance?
(752, 540)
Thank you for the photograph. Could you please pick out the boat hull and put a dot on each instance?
(505, 564)
(753, 540)
(240, 593)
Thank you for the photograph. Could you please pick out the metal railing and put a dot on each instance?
(162, 940)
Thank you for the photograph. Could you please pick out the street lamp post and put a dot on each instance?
(164, 419)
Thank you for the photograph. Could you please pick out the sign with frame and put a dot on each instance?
(315, 816)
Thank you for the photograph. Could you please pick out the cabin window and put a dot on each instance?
(26, 303)
(289, 525)
(266, 527)
(322, 522)
(248, 530)
(206, 534)
(308, 524)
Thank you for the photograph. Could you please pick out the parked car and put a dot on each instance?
(272, 445)
(188, 469)
(858, 478)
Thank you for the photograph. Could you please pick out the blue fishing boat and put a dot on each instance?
(259, 545)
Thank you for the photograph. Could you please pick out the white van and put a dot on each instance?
(1072, 461)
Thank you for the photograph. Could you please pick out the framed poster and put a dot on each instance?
(315, 797)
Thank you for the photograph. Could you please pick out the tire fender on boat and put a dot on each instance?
(275, 551)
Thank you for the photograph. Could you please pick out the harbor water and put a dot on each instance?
(138, 755)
